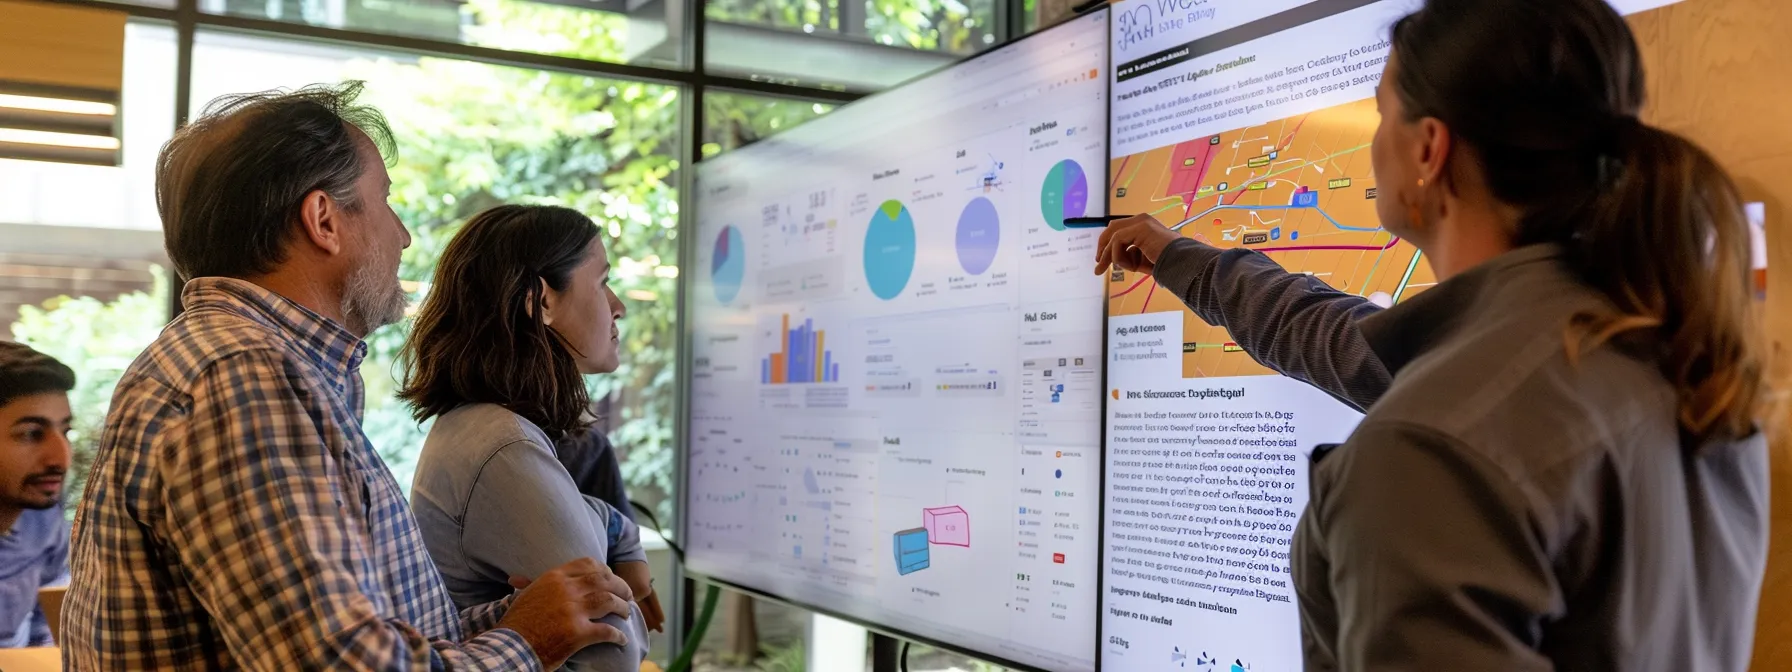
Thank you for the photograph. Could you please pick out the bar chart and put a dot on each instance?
(802, 357)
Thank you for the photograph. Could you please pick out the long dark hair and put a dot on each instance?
(1547, 93)
(480, 336)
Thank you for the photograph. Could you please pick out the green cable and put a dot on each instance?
(695, 639)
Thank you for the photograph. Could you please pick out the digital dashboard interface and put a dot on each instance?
(897, 356)
(1238, 123)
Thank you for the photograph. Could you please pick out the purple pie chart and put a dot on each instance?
(979, 235)
(1065, 193)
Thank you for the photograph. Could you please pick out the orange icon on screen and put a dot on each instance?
(1116, 394)
(1060, 453)
(1093, 73)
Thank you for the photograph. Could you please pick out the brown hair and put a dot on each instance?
(25, 372)
(1547, 92)
(480, 336)
(229, 185)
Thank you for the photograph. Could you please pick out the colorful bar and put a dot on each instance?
(803, 357)
(808, 351)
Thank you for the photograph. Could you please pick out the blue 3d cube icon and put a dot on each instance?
(911, 551)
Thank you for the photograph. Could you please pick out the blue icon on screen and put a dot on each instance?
(911, 551)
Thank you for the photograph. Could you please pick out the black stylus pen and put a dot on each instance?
(1092, 222)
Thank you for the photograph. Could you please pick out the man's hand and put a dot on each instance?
(1133, 244)
(641, 581)
(557, 613)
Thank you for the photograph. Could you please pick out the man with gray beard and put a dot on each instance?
(236, 516)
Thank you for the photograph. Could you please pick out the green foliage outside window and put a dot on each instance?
(733, 121)
(98, 340)
(952, 26)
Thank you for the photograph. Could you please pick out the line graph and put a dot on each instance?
(1299, 189)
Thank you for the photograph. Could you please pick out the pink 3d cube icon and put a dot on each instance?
(947, 526)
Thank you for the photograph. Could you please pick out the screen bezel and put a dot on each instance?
(687, 254)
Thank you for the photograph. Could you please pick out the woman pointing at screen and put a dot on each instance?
(1560, 466)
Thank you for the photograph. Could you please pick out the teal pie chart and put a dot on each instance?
(889, 250)
(728, 264)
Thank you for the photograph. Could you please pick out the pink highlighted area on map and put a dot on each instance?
(947, 526)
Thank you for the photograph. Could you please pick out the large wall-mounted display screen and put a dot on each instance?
(1238, 123)
(895, 412)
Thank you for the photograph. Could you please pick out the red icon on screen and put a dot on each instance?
(1058, 558)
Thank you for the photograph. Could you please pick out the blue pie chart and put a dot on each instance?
(728, 264)
(889, 250)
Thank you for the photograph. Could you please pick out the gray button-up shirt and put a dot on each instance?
(1500, 507)
(493, 501)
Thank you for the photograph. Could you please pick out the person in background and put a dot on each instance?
(34, 456)
(1563, 463)
(236, 516)
(519, 312)
(591, 460)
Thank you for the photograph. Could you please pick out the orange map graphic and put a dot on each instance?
(1298, 189)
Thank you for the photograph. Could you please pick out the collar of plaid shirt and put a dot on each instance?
(322, 341)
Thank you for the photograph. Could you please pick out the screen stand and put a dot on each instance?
(886, 652)
(836, 645)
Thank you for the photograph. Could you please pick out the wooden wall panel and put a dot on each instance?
(1720, 72)
(61, 45)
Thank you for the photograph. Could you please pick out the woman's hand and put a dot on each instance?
(1133, 244)
(641, 581)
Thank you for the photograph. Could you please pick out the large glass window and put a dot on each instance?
(734, 120)
(471, 136)
(844, 44)
(952, 26)
(644, 32)
(81, 264)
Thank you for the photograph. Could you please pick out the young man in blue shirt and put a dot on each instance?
(34, 457)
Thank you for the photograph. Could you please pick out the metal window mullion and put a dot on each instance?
(186, 16)
(693, 52)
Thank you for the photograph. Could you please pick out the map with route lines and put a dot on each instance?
(1300, 190)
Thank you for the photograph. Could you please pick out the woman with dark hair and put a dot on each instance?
(1561, 465)
(520, 311)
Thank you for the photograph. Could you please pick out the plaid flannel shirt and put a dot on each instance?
(238, 518)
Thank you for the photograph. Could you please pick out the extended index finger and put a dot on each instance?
(1116, 240)
(1102, 258)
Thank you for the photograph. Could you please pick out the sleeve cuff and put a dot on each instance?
(636, 554)
(480, 618)
(1185, 262)
(510, 647)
